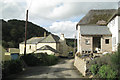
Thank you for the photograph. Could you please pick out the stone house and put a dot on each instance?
(51, 44)
(94, 39)
(98, 31)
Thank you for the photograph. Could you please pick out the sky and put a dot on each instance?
(57, 16)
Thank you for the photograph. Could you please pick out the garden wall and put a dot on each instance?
(80, 64)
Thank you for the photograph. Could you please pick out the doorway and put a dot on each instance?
(96, 44)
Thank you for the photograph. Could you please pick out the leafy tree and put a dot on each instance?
(10, 44)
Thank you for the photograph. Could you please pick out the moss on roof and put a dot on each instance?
(93, 16)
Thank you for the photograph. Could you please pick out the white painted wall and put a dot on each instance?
(53, 45)
(28, 49)
(114, 27)
(78, 38)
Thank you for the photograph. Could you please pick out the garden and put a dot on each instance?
(107, 66)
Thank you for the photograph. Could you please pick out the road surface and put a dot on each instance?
(64, 69)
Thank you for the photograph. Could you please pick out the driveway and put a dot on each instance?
(64, 69)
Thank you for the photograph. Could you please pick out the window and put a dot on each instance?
(30, 47)
(87, 41)
(106, 41)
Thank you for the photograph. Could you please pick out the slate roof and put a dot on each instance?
(93, 16)
(46, 47)
(94, 30)
(49, 39)
(34, 40)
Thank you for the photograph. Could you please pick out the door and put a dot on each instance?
(96, 44)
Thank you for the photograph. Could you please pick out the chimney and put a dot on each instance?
(44, 34)
(62, 37)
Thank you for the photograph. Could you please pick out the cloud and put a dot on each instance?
(50, 10)
(12, 9)
(47, 12)
(65, 27)
(54, 10)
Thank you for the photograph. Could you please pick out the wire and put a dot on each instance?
(30, 5)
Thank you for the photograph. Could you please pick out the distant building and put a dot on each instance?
(51, 44)
(12, 53)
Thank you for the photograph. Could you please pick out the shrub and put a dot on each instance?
(94, 69)
(106, 59)
(39, 59)
(31, 60)
(51, 60)
(115, 59)
(11, 67)
(106, 71)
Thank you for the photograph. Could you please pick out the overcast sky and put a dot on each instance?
(57, 16)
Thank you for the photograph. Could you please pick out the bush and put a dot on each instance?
(106, 59)
(51, 60)
(106, 71)
(94, 69)
(31, 60)
(11, 67)
(115, 59)
(39, 59)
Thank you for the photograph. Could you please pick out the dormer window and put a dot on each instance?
(101, 22)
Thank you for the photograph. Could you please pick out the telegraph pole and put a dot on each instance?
(26, 32)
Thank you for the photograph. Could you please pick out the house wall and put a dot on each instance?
(45, 51)
(114, 27)
(28, 49)
(119, 29)
(63, 48)
(106, 47)
(89, 47)
(53, 45)
(58, 46)
(78, 38)
(83, 45)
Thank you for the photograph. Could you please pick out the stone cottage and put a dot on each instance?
(94, 39)
(97, 32)
(94, 31)
(51, 44)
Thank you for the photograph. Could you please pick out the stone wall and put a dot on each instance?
(80, 64)
(84, 46)
(106, 47)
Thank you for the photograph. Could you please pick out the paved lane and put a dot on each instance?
(64, 69)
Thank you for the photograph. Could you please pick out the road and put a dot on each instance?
(64, 69)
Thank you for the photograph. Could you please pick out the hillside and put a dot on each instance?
(13, 32)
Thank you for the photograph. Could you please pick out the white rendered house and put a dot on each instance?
(114, 27)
